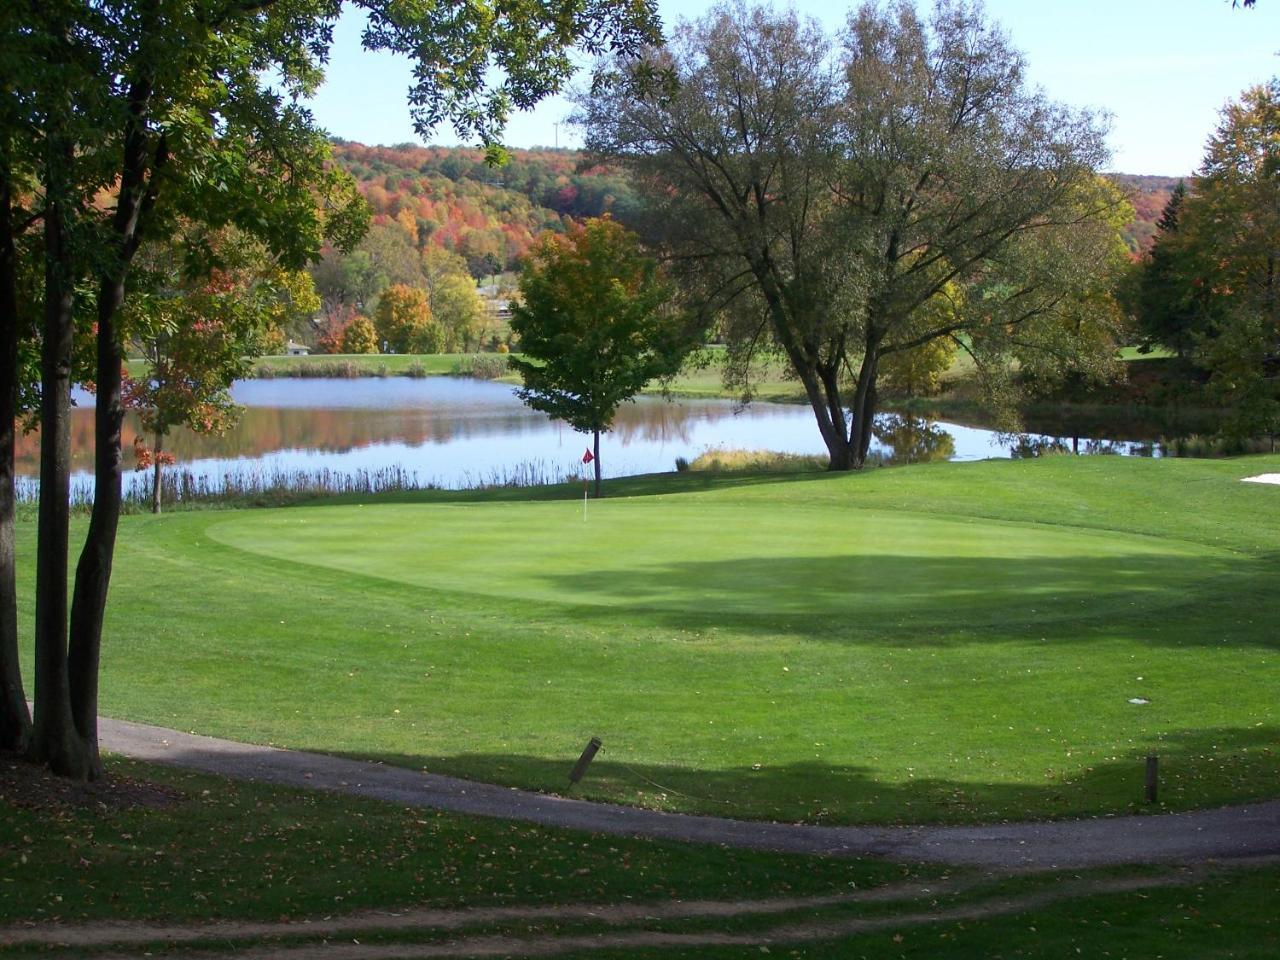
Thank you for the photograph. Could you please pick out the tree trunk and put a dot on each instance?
(53, 736)
(15, 720)
(864, 410)
(823, 394)
(155, 474)
(596, 461)
(93, 572)
(868, 422)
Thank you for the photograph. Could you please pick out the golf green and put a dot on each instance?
(706, 558)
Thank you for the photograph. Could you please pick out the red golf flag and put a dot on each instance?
(587, 457)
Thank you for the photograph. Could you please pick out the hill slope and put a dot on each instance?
(448, 197)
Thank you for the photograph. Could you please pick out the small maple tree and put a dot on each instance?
(198, 329)
(596, 325)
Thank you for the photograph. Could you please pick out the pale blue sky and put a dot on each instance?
(1162, 68)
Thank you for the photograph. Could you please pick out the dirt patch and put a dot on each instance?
(120, 932)
(335, 937)
(786, 933)
(32, 787)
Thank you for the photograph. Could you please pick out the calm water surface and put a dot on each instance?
(459, 432)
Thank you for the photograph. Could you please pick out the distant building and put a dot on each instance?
(296, 349)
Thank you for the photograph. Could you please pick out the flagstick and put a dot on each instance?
(586, 459)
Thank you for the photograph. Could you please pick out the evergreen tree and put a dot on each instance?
(1172, 299)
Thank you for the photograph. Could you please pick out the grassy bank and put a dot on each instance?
(953, 642)
(371, 365)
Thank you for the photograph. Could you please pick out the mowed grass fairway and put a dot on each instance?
(951, 642)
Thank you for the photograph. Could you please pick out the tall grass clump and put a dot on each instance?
(482, 366)
(530, 473)
(334, 369)
(274, 487)
(754, 461)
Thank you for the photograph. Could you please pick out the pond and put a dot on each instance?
(457, 432)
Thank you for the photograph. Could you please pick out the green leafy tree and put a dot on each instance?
(815, 198)
(596, 324)
(1209, 289)
(1232, 220)
(193, 109)
(1172, 299)
(455, 302)
(457, 307)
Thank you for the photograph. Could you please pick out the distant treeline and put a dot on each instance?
(1148, 195)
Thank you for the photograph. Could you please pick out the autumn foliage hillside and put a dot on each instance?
(448, 197)
(1148, 196)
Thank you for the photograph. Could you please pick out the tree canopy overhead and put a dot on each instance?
(823, 195)
(119, 118)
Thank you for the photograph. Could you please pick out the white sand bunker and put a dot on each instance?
(1264, 478)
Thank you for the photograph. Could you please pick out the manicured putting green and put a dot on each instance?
(700, 556)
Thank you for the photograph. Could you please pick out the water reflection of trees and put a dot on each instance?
(666, 422)
(265, 430)
(1024, 446)
(913, 439)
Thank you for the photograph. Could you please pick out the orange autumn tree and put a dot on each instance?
(404, 322)
(359, 336)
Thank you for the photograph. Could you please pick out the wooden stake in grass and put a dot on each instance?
(589, 754)
(1153, 777)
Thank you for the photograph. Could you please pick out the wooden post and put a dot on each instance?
(579, 768)
(1153, 777)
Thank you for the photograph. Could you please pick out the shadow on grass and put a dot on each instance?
(860, 596)
(1198, 770)
(1175, 601)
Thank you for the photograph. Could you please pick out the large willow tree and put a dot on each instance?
(848, 200)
